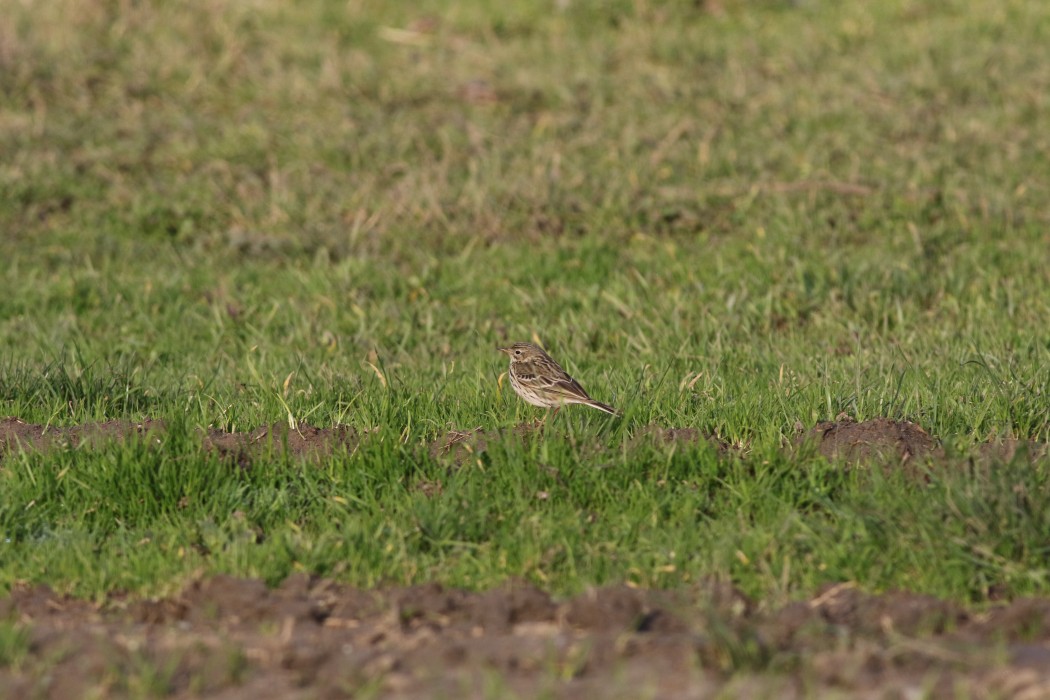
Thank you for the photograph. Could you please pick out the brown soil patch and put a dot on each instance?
(17, 434)
(878, 440)
(302, 442)
(886, 441)
(653, 434)
(310, 638)
(463, 446)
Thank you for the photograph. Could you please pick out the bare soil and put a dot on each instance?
(241, 448)
(889, 442)
(312, 638)
(878, 440)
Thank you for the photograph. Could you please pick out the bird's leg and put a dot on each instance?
(541, 422)
(548, 416)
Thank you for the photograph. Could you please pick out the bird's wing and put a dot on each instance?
(553, 379)
(570, 387)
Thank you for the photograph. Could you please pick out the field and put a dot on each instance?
(257, 260)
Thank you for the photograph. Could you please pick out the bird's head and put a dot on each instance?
(522, 352)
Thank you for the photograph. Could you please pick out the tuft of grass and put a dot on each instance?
(143, 517)
(14, 644)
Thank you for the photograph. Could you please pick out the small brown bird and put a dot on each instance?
(541, 381)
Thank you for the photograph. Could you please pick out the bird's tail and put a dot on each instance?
(603, 407)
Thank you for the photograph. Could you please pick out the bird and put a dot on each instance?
(541, 381)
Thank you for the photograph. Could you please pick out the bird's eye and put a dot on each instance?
(517, 352)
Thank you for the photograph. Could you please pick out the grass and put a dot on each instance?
(14, 644)
(728, 220)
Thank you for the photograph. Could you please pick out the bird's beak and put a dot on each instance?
(504, 350)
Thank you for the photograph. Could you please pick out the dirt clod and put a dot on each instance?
(879, 439)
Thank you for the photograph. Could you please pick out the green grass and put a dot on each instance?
(226, 216)
(14, 644)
